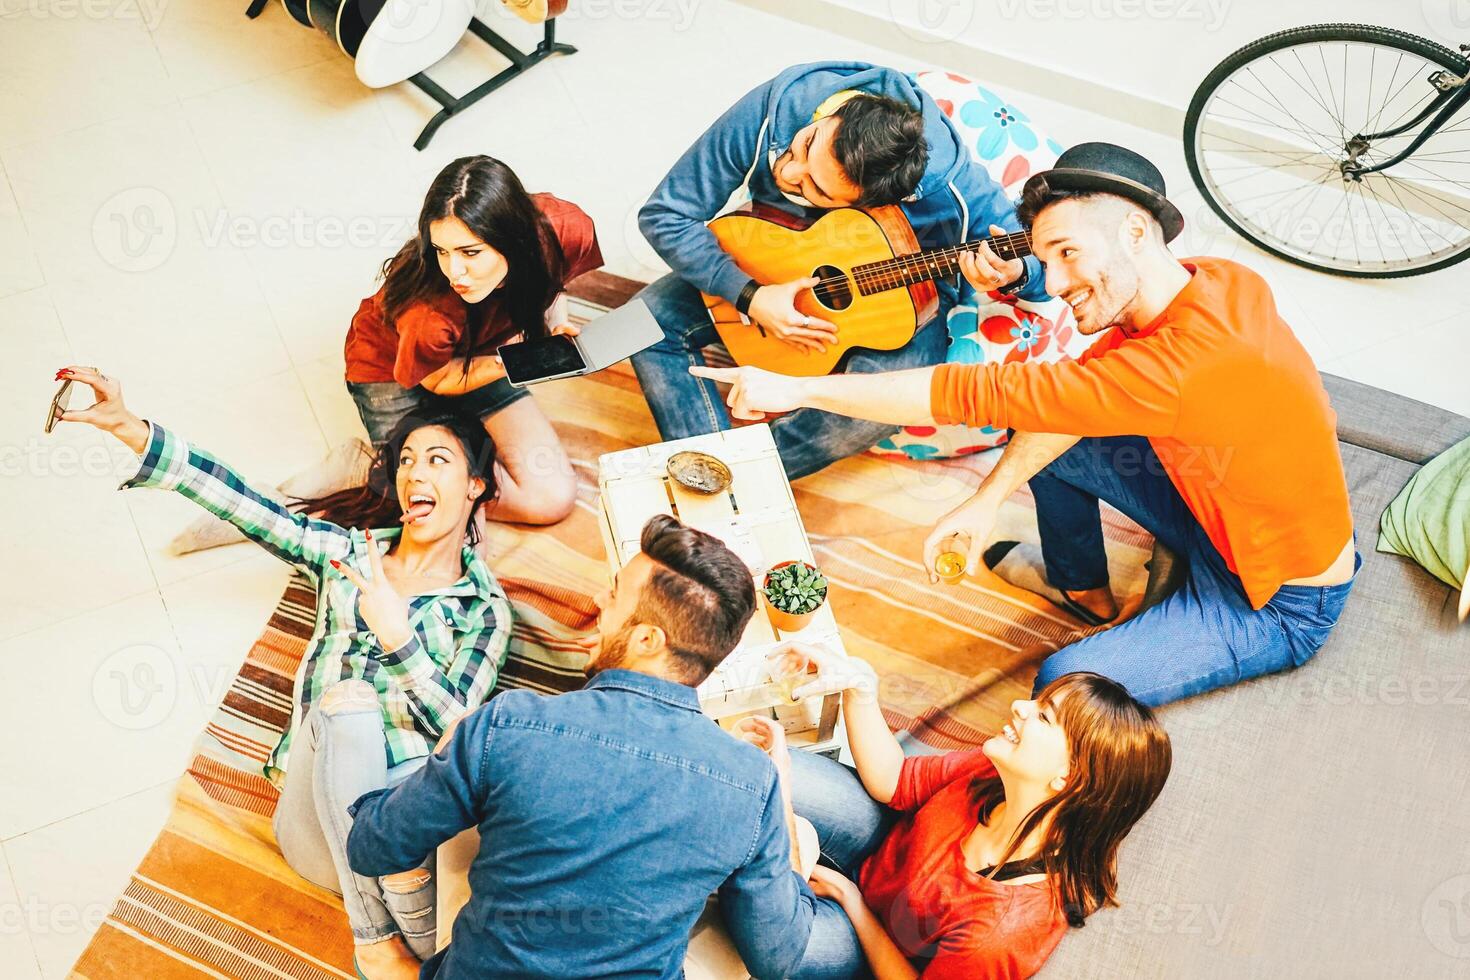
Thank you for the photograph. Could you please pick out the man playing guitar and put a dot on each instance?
(815, 137)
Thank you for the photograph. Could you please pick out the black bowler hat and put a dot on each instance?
(1112, 169)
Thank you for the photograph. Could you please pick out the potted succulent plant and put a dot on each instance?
(794, 591)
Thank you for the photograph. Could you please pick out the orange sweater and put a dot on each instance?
(1230, 401)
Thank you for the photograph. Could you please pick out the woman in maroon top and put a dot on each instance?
(970, 865)
(489, 265)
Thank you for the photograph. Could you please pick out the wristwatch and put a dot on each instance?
(742, 302)
(1012, 288)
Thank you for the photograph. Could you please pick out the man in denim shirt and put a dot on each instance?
(608, 815)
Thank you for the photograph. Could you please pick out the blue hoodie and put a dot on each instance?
(956, 200)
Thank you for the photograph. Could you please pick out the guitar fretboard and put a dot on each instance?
(937, 263)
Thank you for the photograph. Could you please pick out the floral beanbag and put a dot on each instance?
(996, 328)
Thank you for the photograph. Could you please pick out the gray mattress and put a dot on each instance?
(1317, 822)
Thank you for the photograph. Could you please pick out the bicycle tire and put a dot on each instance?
(1361, 33)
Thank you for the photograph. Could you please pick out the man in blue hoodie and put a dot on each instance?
(817, 136)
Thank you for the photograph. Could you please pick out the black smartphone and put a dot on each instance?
(542, 360)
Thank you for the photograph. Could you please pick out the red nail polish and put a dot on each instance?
(368, 534)
(336, 563)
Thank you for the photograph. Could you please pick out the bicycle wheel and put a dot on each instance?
(1278, 133)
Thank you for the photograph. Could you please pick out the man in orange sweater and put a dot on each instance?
(1197, 413)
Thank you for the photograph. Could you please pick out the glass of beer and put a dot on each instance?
(789, 671)
(950, 567)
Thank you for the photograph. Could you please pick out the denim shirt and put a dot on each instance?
(607, 816)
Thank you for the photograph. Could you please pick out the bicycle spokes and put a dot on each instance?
(1344, 154)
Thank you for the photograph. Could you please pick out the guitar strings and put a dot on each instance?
(875, 272)
(891, 272)
(897, 266)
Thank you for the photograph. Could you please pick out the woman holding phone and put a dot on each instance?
(411, 631)
(489, 265)
(970, 864)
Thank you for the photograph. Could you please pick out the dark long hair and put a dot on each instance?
(1120, 760)
(375, 504)
(488, 197)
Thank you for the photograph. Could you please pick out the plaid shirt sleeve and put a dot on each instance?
(170, 463)
(445, 691)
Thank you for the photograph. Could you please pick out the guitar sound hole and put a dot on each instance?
(833, 292)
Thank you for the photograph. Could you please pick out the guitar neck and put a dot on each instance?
(935, 263)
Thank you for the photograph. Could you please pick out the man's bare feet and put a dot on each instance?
(387, 959)
(1099, 602)
(1023, 565)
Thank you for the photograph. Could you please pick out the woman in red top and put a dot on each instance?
(489, 265)
(971, 865)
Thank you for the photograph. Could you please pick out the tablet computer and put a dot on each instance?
(603, 342)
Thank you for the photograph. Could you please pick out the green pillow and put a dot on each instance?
(1429, 521)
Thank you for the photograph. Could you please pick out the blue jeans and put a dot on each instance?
(850, 826)
(1203, 636)
(383, 404)
(807, 439)
(337, 756)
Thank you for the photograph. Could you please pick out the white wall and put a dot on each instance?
(1155, 49)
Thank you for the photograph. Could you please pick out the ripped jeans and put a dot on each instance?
(337, 757)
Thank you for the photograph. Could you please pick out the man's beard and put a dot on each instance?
(611, 654)
(1104, 293)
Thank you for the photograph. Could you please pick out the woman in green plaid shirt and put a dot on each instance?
(412, 629)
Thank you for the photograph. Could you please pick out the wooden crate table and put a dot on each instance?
(757, 518)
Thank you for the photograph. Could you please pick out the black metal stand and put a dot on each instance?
(520, 62)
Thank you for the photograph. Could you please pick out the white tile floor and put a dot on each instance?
(197, 202)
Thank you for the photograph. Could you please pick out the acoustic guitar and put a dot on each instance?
(876, 285)
(388, 40)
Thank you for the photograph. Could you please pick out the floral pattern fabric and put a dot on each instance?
(997, 328)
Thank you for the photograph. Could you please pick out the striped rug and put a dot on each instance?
(213, 897)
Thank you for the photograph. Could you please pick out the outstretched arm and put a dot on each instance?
(168, 462)
(1132, 389)
(898, 398)
(875, 751)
